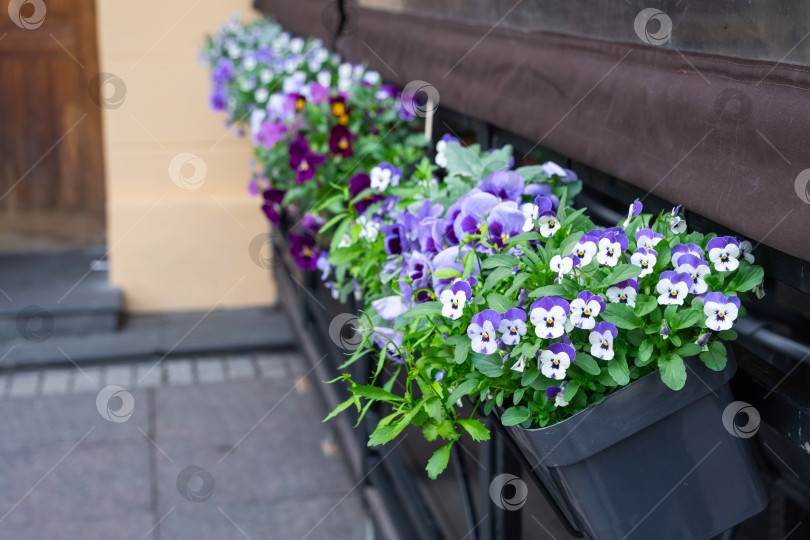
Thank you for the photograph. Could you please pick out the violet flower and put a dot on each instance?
(454, 299)
(697, 269)
(633, 211)
(555, 360)
(673, 288)
(384, 175)
(303, 160)
(685, 249)
(552, 169)
(223, 72)
(585, 249)
(746, 250)
(471, 219)
(340, 141)
(548, 316)
(389, 341)
(542, 190)
(601, 339)
(271, 133)
(647, 238)
(272, 204)
(623, 292)
(304, 250)
(357, 184)
(505, 221)
(585, 308)
(506, 185)
(311, 224)
(610, 248)
(512, 326)
(395, 239)
(724, 252)
(645, 259)
(557, 393)
(389, 307)
(481, 331)
(721, 311)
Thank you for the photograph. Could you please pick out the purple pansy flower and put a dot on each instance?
(318, 93)
(552, 169)
(724, 252)
(685, 249)
(647, 238)
(645, 259)
(395, 239)
(664, 329)
(303, 160)
(390, 341)
(506, 185)
(323, 265)
(555, 360)
(223, 72)
(219, 98)
(721, 311)
(623, 292)
(270, 133)
(513, 325)
(585, 308)
(454, 299)
(610, 248)
(601, 339)
(439, 376)
(633, 211)
(532, 211)
(746, 250)
(697, 268)
(557, 393)
(673, 287)
(304, 250)
(272, 204)
(703, 340)
(482, 331)
(340, 141)
(548, 316)
(357, 184)
(542, 190)
(505, 221)
(390, 307)
(471, 219)
(585, 249)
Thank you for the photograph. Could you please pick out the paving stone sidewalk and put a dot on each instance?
(205, 448)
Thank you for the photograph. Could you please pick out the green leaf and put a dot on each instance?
(524, 237)
(622, 316)
(438, 461)
(462, 351)
(673, 371)
(475, 428)
(421, 310)
(460, 391)
(340, 408)
(515, 415)
(548, 290)
(587, 364)
(645, 304)
(727, 335)
(686, 318)
(715, 358)
(568, 244)
(570, 390)
(519, 279)
(433, 406)
(488, 364)
(499, 302)
(617, 368)
(497, 275)
(384, 434)
(747, 277)
(645, 352)
(689, 349)
(374, 392)
(344, 255)
(496, 261)
(446, 273)
(430, 431)
(620, 273)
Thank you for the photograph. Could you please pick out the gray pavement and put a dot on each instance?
(198, 448)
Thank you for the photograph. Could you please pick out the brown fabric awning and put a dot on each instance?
(725, 137)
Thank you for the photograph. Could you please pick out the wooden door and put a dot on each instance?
(51, 163)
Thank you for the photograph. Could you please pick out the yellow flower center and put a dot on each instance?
(644, 264)
(610, 252)
(304, 166)
(556, 363)
(605, 344)
(338, 109)
(551, 224)
(587, 313)
(549, 321)
(512, 331)
(623, 298)
(673, 294)
(343, 144)
(724, 258)
(504, 238)
(343, 119)
(485, 336)
(721, 316)
(455, 304)
(307, 252)
(299, 103)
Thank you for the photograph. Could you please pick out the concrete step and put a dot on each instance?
(148, 337)
(59, 292)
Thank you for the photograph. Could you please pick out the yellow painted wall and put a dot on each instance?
(175, 248)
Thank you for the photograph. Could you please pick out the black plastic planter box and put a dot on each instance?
(650, 463)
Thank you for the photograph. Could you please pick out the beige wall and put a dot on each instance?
(174, 248)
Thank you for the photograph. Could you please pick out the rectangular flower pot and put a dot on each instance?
(649, 462)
